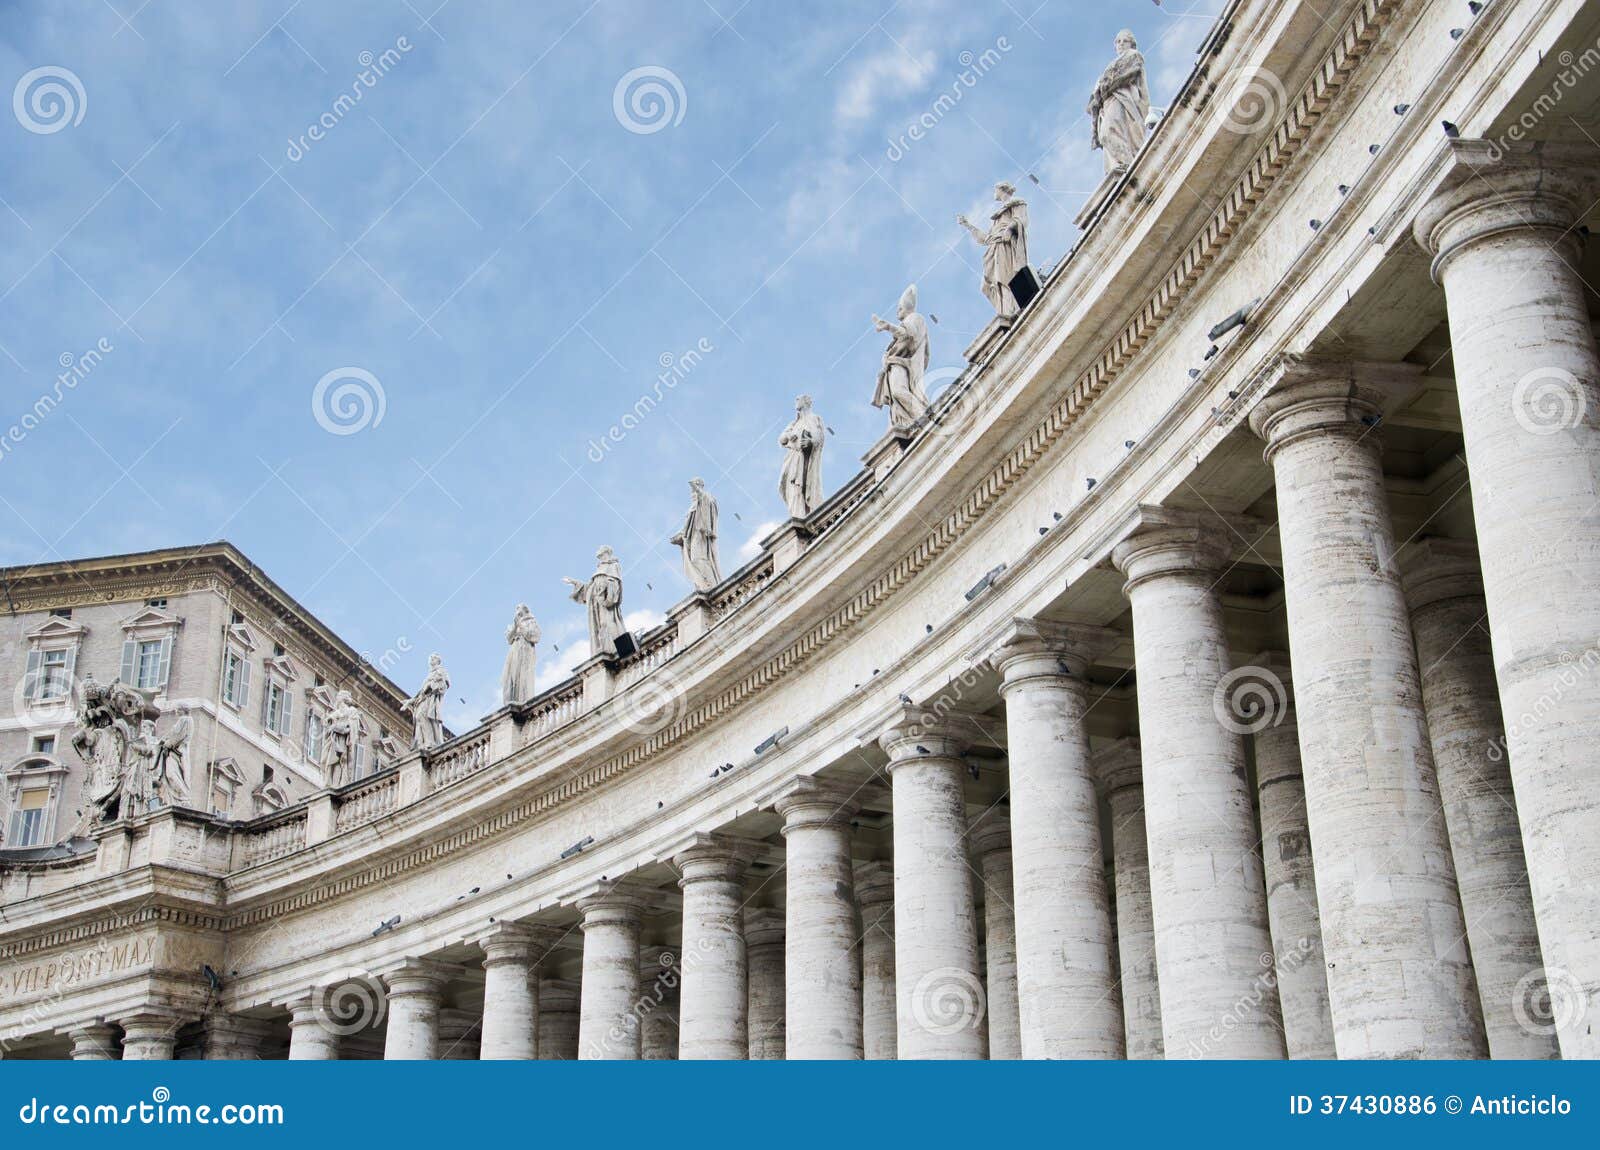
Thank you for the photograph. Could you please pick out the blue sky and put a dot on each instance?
(483, 236)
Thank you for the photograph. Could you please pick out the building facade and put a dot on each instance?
(1183, 686)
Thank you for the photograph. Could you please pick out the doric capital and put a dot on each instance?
(517, 942)
(416, 977)
(614, 901)
(810, 801)
(1032, 649)
(763, 926)
(874, 882)
(1315, 397)
(1118, 766)
(990, 831)
(712, 858)
(911, 732)
(1483, 189)
(1163, 542)
(1434, 570)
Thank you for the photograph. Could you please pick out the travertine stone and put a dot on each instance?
(1506, 249)
(713, 1022)
(415, 991)
(460, 1036)
(558, 1019)
(764, 944)
(1066, 981)
(229, 1038)
(939, 983)
(991, 844)
(660, 977)
(1298, 958)
(96, 1042)
(609, 1023)
(511, 954)
(310, 1036)
(1117, 770)
(149, 1037)
(875, 896)
(822, 977)
(1207, 897)
(1449, 619)
(1399, 976)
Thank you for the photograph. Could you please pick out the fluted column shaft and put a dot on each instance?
(608, 1026)
(1297, 951)
(822, 980)
(510, 1030)
(875, 895)
(713, 1003)
(939, 988)
(765, 946)
(1067, 995)
(415, 991)
(1506, 250)
(1399, 976)
(991, 842)
(1119, 771)
(558, 1019)
(1208, 900)
(1480, 807)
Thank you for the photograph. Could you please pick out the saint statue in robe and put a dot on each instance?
(1120, 103)
(522, 639)
(800, 481)
(602, 594)
(426, 703)
(340, 737)
(904, 361)
(1005, 246)
(699, 539)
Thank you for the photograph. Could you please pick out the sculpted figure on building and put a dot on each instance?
(904, 361)
(1120, 103)
(602, 594)
(522, 638)
(1005, 246)
(426, 703)
(699, 539)
(800, 481)
(341, 736)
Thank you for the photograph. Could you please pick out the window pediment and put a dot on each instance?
(241, 634)
(57, 629)
(151, 621)
(280, 666)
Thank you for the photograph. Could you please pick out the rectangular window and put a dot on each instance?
(44, 745)
(53, 675)
(313, 736)
(272, 719)
(235, 679)
(27, 821)
(361, 761)
(148, 675)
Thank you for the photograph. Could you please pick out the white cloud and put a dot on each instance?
(893, 70)
(643, 619)
(751, 547)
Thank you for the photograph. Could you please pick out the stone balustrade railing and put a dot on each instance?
(752, 582)
(372, 799)
(454, 761)
(278, 835)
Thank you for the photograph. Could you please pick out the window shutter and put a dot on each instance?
(266, 701)
(130, 660)
(243, 700)
(285, 727)
(71, 670)
(30, 679)
(166, 661)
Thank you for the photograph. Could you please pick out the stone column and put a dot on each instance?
(608, 1026)
(822, 982)
(991, 843)
(460, 1039)
(874, 883)
(311, 1037)
(939, 991)
(764, 942)
(660, 976)
(1207, 897)
(415, 991)
(714, 998)
(1118, 771)
(229, 1038)
(1506, 248)
(558, 1019)
(1448, 617)
(1297, 952)
(1399, 976)
(511, 954)
(149, 1037)
(96, 1042)
(1066, 985)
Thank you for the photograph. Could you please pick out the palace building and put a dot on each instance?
(1213, 670)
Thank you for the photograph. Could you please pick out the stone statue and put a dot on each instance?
(516, 677)
(424, 705)
(117, 783)
(340, 736)
(603, 596)
(699, 538)
(800, 482)
(904, 361)
(1005, 246)
(156, 775)
(1120, 103)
